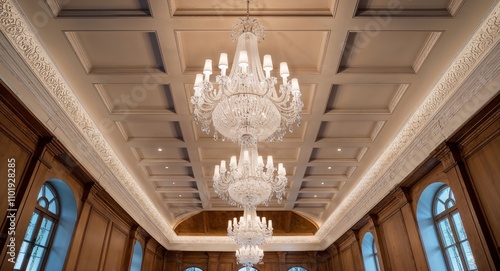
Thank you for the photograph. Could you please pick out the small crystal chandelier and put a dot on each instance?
(249, 255)
(246, 101)
(250, 229)
(249, 182)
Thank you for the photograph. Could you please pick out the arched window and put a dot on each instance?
(50, 229)
(369, 250)
(451, 231)
(248, 269)
(38, 238)
(136, 257)
(193, 269)
(443, 236)
(297, 268)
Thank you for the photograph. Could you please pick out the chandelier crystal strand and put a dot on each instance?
(249, 182)
(246, 101)
(249, 255)
(250, 229)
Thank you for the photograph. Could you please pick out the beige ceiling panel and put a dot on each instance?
(350, 131)
(104, 51)
(364, 98)
(327, 171)
(163, 171)
(326, 184)
(315, 196)
(153, 153)
(102, 5)
(386, 51)
(136, 98)
(331, 155)
(134, 130)
(173, 184)
(303, 50)
(409, 8)
(257, 7)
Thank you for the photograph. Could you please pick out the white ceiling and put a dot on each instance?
(364, 69)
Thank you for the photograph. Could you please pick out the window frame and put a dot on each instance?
(42, 213)
(447, 215)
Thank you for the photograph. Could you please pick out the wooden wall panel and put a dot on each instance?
(93, 242)
(148, 260)
(114, 258)
(347, 260)
(484, 168)
(398, 243)
(10, 149)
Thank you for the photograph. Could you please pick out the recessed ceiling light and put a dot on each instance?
(160, 149)
(173, 182)
(180, 196)
(339, 149)
(166, 167)
(329, 167)
(322, 182)
(315, 196)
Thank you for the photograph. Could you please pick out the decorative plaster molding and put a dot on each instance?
(386, 172)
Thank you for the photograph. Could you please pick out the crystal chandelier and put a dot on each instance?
(246, 101)
(250, 229)
(249, 255)
(249, 182)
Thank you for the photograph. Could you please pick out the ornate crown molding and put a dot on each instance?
(386, 172)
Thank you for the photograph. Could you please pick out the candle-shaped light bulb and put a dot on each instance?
(284, 71)
(246, 156)
(233, 161)
(198, 84)
(223, 165)
(267, 65)
(243, 61)
(216, 172)
(260, 161)
(223, 63)
(295, 87)
(207, 70)
(270, 226)
(229, 225)
(270, 161)
(280, 169)
(264, 220)
(235, 221)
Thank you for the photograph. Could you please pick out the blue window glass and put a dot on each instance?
(37, 240)
(451, 233)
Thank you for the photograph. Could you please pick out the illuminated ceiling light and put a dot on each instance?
(250, 229)
(246, 101)
(322, 182)
(160, 149)
(249, 182)
(249, 255)
(339, 149)
(166, 167)
(329, 167)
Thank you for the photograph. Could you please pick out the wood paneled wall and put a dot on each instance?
(104, 234)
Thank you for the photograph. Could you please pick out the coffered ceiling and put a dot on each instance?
(365, 68)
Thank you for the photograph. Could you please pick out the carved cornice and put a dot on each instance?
(402, 155)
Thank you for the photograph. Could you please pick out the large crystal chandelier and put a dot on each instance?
(249, 255)
(245, 107)
(249, 182)
(250, 229)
